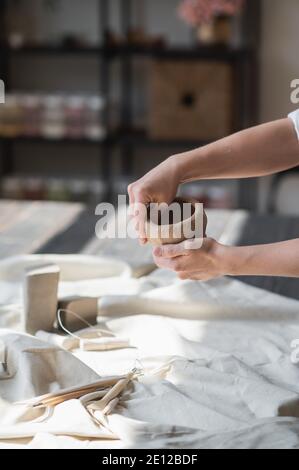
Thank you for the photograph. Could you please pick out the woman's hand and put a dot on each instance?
(157, 186)
(205, 263)
(214, 260)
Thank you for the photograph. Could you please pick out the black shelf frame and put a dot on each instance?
(49, 50)
(244, 61)
(114, 52)
(50, 141)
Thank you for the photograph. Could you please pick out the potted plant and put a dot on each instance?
(212, 19)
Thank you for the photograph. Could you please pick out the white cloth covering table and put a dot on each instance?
(216, 359)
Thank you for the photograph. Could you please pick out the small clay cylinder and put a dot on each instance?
(76, 311)
(175, 231)
(40, 298)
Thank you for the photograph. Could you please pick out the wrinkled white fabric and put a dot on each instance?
(216, 359)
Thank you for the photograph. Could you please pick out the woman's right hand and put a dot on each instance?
(157, 186)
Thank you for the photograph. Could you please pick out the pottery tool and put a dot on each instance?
(92, 339)
(115, 391)
(107, 390)
(103, 344)
(53, 399)
(40, 298)
(110, 400)
(62, 341)
(91, 397)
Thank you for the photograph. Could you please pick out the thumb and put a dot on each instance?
(139, 211)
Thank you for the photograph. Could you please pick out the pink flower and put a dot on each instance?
(197, 12)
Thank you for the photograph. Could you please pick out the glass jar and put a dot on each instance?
(75, 117)
(34, 189)
(94, 129)
(53, 117)
(57, 190)
(79, 190)
(12, 188)
(32, 114)
(98, 190)
(12, 117)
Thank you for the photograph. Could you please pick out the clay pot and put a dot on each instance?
(218, 32)
(174, 232)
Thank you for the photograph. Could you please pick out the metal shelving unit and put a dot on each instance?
(244, 61)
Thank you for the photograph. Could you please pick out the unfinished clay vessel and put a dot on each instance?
(175, 231)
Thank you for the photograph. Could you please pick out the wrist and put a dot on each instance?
(222, 258)
(183, 167)
(237, 261)
(191, 165)
(174, 168)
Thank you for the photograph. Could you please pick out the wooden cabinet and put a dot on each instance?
(190, 100)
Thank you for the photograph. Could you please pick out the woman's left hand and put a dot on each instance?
(191, 262)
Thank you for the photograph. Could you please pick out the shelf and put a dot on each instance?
(54, 50)
(194, 53)
(132, 138)
(44, 140)
(142, 139)
(129, 140)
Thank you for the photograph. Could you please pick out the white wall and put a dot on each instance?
(279, 57)
(279, 65)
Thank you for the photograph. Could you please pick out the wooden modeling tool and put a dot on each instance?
(53, 399)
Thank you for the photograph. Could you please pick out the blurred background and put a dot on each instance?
(100, 91)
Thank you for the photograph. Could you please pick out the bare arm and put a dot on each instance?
(257, 151)
(277, 259)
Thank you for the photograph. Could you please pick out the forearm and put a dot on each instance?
(258, 151)
(279, 259)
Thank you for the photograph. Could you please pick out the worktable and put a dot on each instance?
(63, 228)
(217, 357)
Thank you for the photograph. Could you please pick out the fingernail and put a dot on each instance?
(157, 251)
